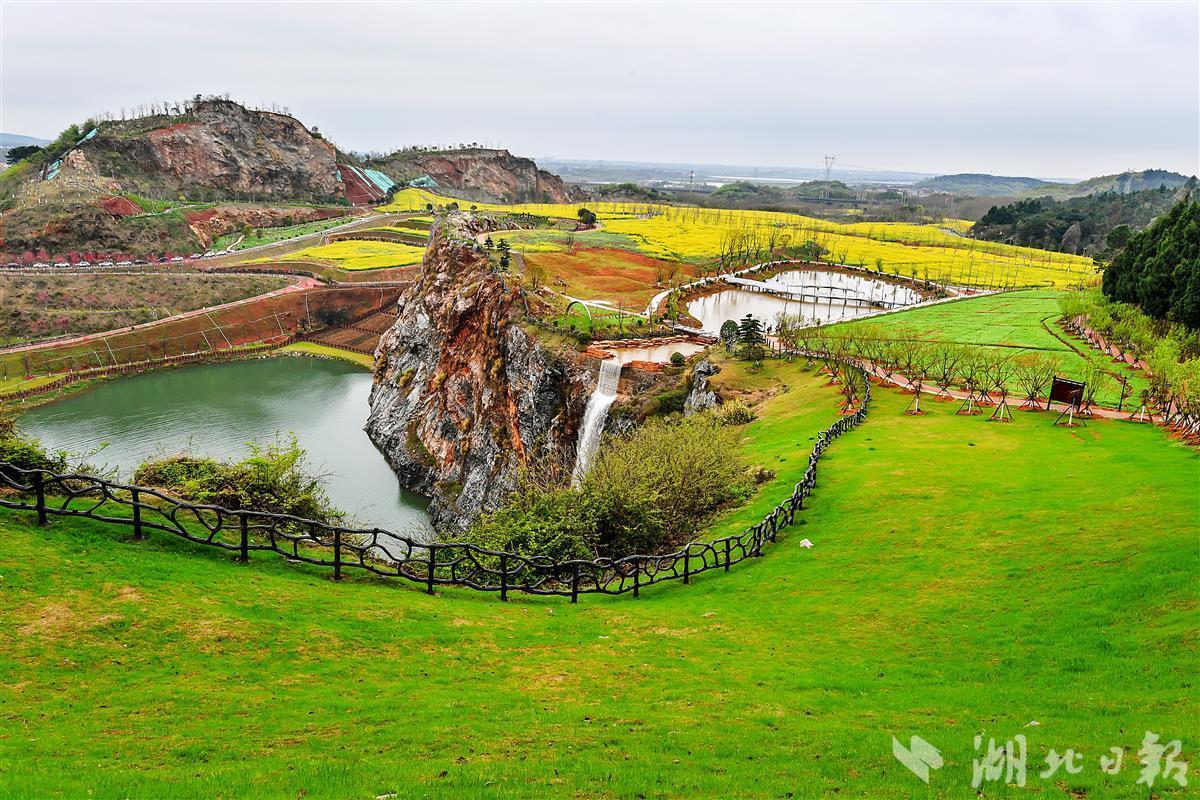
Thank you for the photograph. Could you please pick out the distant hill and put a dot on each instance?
(979, 184)
(8, 140)
(983, 185)
(1121, 183)
(1094, 224)
(761, 194)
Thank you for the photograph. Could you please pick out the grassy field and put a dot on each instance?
(357, 255)
(1011, 322)
(1014, 574)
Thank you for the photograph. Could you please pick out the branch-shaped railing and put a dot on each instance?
(374, 550)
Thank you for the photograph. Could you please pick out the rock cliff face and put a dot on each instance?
(481, 174)
(220, 147)
(701, 396)
(463, 394)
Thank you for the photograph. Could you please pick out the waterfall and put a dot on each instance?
(595, 416)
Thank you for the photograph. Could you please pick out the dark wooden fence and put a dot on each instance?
(377, 551)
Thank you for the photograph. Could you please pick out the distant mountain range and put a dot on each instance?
(984, 185)
(8, 140)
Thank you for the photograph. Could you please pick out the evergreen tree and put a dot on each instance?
(750, 331)
(1159, 268)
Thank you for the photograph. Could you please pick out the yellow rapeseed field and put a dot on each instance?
(356, 255)
(696, 236)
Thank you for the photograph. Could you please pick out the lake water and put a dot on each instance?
(215, 409)
(714, 309)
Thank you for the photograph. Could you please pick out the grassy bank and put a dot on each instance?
(325, 351)
(967, 578)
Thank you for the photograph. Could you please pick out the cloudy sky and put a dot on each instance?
(1052, 90)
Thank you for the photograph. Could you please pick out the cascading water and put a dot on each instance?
(595, 416)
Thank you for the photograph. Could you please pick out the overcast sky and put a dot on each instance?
(1051, 90)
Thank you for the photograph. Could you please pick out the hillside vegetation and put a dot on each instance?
(1097, 224)
(1159, 268)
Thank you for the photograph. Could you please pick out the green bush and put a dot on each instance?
(273, 478)
(26, 453)
(735, 413)
(647, 492)
(677, 359)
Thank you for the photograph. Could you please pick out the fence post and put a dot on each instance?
(40, 488)
(134, 496)
(244, 547)
(687, 563)
(504, 577)
(637, 578)
(429, 576)
(727, 554)
(337, 554)
(575, 582)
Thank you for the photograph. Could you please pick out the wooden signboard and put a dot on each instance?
(1066, 391)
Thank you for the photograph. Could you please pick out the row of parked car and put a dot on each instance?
(134, 263)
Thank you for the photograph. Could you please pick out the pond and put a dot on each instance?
(714, 309)
(659, 353)
(215, 409)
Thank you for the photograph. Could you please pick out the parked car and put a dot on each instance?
(41, 265)
(61, 264)
(176, 259)
(124, 263)
(105, 264)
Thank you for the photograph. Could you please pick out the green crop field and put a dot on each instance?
(1012, 322)
(967, 578)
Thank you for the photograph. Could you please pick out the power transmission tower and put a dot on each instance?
(828, 169)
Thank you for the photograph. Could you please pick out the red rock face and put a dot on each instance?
(495, 174)
(230, 149)
(463, 395)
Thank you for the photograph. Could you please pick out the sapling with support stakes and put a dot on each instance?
(1000, 376)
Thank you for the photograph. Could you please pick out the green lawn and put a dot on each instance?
(326, 351)
(1008, 323)
(967, 578)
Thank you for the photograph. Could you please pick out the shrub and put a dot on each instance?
(735, 413)
(647, 492)
(677, 359)
(273, 478)
(26, 453)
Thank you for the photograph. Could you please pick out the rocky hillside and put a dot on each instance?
(464, 395)
(478, 174)
(217, 150)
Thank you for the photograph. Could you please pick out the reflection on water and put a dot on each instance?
(836, 284)
(835, 290)
(660, 353)
(214, 410)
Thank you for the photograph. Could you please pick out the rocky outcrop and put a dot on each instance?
(464, 395)
(701, 397)
(218, 148)
(481, 174)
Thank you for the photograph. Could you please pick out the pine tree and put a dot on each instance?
(750, 331)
